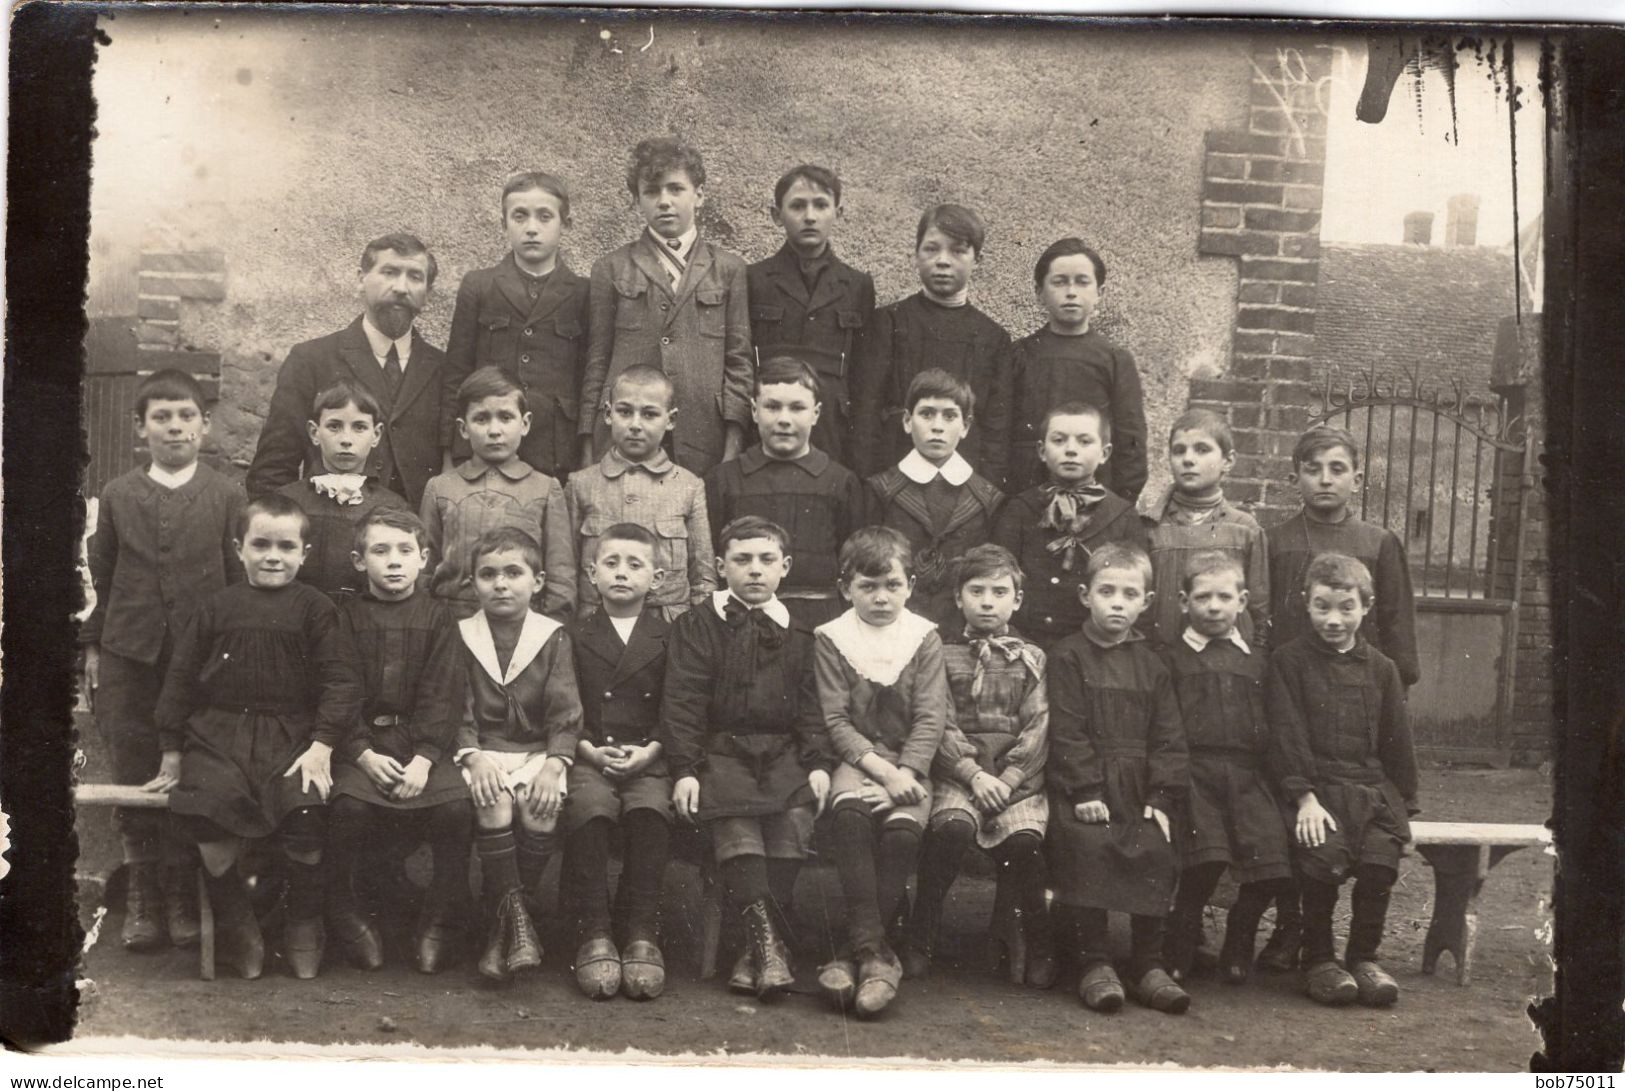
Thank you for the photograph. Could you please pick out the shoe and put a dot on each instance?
(1330, 984)
(1042, 966)
(1236, 956)
(237, 939)
(879, 974)
(431, 940)
(1100, 989)
(142, 899)
(360, 939)
(493, 962)
(303, 941)
(598, 968)
(919, 943)
(524, 946)
(839, 981)
(1280, 952)
(1377, 987)
(1159, 992)
(768, 953)
(179, 883)
(643, 970)
(743, 978)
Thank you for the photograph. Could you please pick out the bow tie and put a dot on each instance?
(345, 489)
(736, 614)
(1069, 510)
(1011, 648)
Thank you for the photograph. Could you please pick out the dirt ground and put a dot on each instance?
(960, 1012)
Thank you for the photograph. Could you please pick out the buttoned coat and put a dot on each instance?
(697, 333)
(541, 343)
(620, 683)
(409, 452)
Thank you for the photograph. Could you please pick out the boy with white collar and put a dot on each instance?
(933, 496)
(745, 742)
(526, 721)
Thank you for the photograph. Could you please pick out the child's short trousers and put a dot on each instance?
(1030, 814)
(593, 795)
(786, 835)
(849, 778)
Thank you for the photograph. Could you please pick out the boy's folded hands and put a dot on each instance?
(629, 761)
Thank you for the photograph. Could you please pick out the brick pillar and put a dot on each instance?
(1261, 201)
(169, 280)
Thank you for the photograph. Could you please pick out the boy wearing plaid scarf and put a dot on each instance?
(1053, 528)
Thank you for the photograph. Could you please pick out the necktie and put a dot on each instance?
(392, 370)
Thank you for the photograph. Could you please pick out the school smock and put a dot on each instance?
(533, 705)
(414, 686)
(475, 497)
(1173, 540)
(740, 709)
(1050, 608)
(1233, 815)
(1115, 736)
(257, 676)
(659, 496)
(999, 726)
(535, 330)
(942, 512)
(910, 336)
(621, 686)
(883, 690)
(1391, 625)
(156, 555)
(1342, 732)
(697, 332)
(1048, 369)
(334, 512)
(815, 499)
(823, 324)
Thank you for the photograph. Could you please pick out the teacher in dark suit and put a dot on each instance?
(380, 351)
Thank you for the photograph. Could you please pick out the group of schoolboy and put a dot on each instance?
(733, 629)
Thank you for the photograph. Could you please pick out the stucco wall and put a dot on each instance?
(286, 142)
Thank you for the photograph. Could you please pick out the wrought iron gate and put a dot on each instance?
(1449, 473)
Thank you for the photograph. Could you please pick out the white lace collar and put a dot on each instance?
(878, 653)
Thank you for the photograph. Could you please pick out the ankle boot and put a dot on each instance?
(142, 899)
(179, 882)
(771, 957)
(1042, 967)
(1236, 956)
(304, 933)
(359, 938)
(493, 962)
(524, 946)
(920, 938)
(237, 939)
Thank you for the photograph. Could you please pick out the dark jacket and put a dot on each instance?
(825, 327)
(535, 706)
(541, 343)
(1050, 608)
(900, 503)
(698, 334)
(409, 452)
(620, 683)
(156, 554)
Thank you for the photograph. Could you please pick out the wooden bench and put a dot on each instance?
(1461, 855)
(120, 795)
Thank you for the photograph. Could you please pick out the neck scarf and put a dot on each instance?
(1006, 646)
(1069, 511)
(343, 489)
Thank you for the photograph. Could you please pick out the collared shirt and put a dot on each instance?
(172, 479)
(773, 608)
(380, 342)
(920, 470)
(1198, 641)
(814, 462)
(614, 464)
(658, 495)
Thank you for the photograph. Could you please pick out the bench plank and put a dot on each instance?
(1512, 835)
(118, 795)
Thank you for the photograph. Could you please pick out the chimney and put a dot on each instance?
(1461, 220)
(1419, 228)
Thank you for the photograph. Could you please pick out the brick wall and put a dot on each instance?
(1261, 202)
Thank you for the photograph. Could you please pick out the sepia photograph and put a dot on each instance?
(835, 537)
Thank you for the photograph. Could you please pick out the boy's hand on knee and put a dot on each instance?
(315, 769)
(485, 780)
(903, 788)
(1094, 812)
(875, 795)
(685, 797)
(546, 793)
(384, 771)
(90, 675)
(413, 778)
(818, 782)
(989, 793)
(1314, 822)
(1161, 820)
(169, 773)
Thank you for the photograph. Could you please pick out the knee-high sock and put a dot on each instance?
(586, 872)
(499, 867)
(942, 854)
(648, 846)
(1251, 901)
(1020, 860)
(898, 857)
(855, 861)
(532, 852)
(744, 881)
(1196, 886)
(781, 885)
(1145, 940)
(451, 829)
(1319, 899)
(1372, 886)
(1093, 946)
(349, 821)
